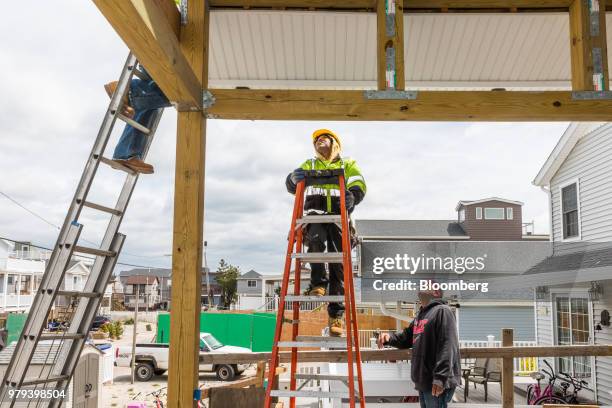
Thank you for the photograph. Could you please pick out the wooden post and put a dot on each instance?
(188, 227)
(390, 36)
(507, 371)
(589, 54)
(135, 332)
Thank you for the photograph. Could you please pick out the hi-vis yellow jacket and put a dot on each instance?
(325, 198)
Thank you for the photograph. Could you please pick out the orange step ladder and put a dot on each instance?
(295, 251)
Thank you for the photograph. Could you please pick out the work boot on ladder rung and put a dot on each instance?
(336, 326)
(316, 291)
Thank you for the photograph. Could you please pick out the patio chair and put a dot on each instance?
(476, 374)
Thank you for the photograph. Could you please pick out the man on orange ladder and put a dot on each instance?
(325, 199)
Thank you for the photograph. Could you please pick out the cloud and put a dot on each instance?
(52, 72)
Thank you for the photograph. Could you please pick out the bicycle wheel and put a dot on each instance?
(530, 393)
(550, 399)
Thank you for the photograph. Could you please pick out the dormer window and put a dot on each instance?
(509, 213)
(462, 215)
(479, 213)
(494, 214)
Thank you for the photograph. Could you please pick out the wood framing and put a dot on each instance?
(149, 28)
(395, 41)
(428, 106)
(588, 46)
(339, 356)
(507, 371)
(188, 228)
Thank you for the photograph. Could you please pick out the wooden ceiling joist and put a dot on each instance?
(428, 106)
(408, 5)
(149, 28)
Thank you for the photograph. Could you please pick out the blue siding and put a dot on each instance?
(476, 322)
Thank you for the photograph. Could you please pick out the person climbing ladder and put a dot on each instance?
(325, 199)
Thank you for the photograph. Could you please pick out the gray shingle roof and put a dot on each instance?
(250, 275)
(574, 261)
(408, 228)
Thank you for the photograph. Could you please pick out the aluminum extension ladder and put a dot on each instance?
(295, 252)
(61, 350)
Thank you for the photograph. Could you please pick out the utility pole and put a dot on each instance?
(135, 331)
(208, 294)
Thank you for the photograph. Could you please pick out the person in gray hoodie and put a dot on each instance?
(432, 336)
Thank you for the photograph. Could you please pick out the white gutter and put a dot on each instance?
(550, 214)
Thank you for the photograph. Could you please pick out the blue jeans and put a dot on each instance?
(429, 401)
(146, 98)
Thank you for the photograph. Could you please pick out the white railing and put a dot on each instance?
(31, 255)
(522, 365)
(271, 304)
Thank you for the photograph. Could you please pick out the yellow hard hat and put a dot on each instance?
(320, 132)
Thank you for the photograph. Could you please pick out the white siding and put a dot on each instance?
(544, 324)
(603, 365)
(589, 163)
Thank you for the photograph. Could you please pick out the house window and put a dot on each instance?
(479, 213)
(462, 215)
(569, 209)
(573, 329)
(25, 286)
(494, 213)
(509, 213)
(252, 283)
(11, 282)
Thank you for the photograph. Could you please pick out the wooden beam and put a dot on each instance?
(589, 56)
(408, 4)
(149, 28)
(271, 104)
(188, 228)
(390, 35)
(397, 355)
(507, 384)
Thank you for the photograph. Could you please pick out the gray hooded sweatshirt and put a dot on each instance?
(432, 335)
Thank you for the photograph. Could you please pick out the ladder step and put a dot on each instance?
(62, 336)
(321, 338)
(94, 251)
(134, 124)
(116, 165)
(319, 343)
(101, 208)
(319, 257)
(54, 379)
(306, 298)
(322, 377)
(310, 394)
(76, 293)
(318, 219)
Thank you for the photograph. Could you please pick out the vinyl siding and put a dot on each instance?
(476, 322)
(243, 289)
(544, 325)
(493, 230)
(589, 163)
(603, 365)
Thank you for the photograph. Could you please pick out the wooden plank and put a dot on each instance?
(188, 228)
(507, 384)
(408, 4)
(149, 30)
(397, 355)
(582, 45)
(395, 41)
(269, 104)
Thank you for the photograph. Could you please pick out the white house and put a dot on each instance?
(573, 293)
(22, 266)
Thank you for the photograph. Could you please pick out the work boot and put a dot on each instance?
(126, 109)
(336, 328)
(316, 291)
(137, 165)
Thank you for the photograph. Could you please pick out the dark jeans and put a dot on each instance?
(146, 98)
(427, 399)
(320, 237)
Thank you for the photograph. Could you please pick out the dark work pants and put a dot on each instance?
(320, 237)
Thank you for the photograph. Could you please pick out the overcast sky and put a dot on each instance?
(56, 55)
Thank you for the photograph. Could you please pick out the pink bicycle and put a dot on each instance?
(538, 396)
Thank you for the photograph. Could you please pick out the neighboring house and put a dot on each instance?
(145, 288)
(490, 219)
(74, 279)
(215, 288)
(574, 285)
(257, 291)
(21, 271)
(162, 275)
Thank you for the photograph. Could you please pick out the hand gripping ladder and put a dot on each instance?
(295, 252)
(60, 351)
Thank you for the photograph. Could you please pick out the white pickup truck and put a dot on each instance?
(152, 358)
